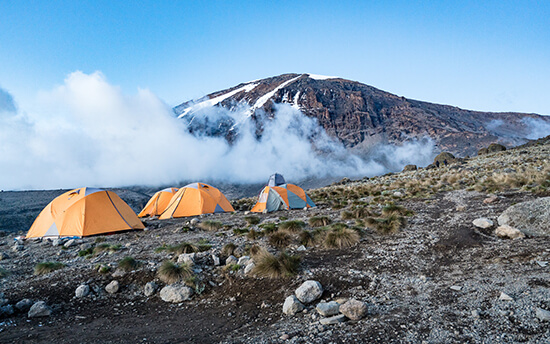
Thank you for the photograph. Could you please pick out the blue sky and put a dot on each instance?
(482, 55)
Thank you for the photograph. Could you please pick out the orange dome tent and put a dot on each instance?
(195, 199)
(83, 212)
(158, 203)
(279, 195)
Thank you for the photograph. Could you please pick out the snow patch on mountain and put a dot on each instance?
(321, 77)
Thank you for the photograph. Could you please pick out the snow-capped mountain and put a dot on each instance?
(358, 115)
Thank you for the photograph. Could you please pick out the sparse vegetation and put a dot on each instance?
(128, 264)
(271, 266)
(252, 220)
(47, 267)
(319, 221)
(102, 268)
(86, 252)
(210, 225)
(170, 273)
(307, 238)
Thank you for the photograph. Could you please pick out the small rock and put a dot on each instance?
(506, 231)
(231, 260)
(301, 248)
(243, 261)
(3, 256)
(333, 320)
(284, 337)
(119, 273)
(57, 242)
(187, 258)
(82, 291)
(194, 221)
(85, 246)
(461, 208)
(17, 248)
(483, 222)
(69, 243)
(24, 305)
(490, 199)
(6, 310)
(39, 309)
(249, 267)
(176, 293)
(542, 314)
(216, 260)
(475, 313)
(309, 291)
(112, 287)
(542, 264)
(505, 297)
(398, 194)
(150, 288)
(354, 309)
(327, 309)
(292, 305)
(456, 287)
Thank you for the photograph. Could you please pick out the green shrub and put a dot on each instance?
(240, 231)
(86, 252)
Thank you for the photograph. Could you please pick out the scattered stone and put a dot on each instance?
(475, 313)
(231, 260)
(6, 310)
(354, 309)
(456, 287)
(24, 305)
(327, 309)
(542, 264)
(57, 242)
(39, 309)
(505, 297)
(176, 293)
(505, 231)
(301, 248)
(292, 305)
(216, 260)
(284, 337)
(398, 194)
(150, 288)
(461, 208)
(483, 222)
(17, 248)
(119, 273)
(542, 314)
(243, 261)
(249, 267)
(333, 320)
(69, 243)
(531, 217)
(490, 199)
(187, 258)
(309, 291)
(112, 287)
(82, 291)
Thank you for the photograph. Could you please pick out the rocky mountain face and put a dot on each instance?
(358, 115)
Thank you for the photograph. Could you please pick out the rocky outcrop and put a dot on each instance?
(532, 217)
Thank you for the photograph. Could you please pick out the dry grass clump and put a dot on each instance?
(307, 238)
(210, 225)
(386, 225)
(170, 273)
(293, 226)
(269, 227)
(228, 249)
(253, 234)
(271, 266)
(256, 250)
(105, 248)
(128, 264)
(280, 239)
(252, 220)
(47, 267)
(319, 221)
(357, 212)
(393, 209)
(341, 236)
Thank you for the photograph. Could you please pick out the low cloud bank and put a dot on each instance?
(88, 133)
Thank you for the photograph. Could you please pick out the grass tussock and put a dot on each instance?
(319, 221)
(4, 273)
(269, 227)
(386, 225)
(128, 264)
(256, 250)
(271, 266)
(47, 267)
(294, 226)
(228, 249)
(280, 239)
(210, 225)
(170, 272)
(104, 247)
(393, 209)
(307, 238)
(252, 220)
(253, 234)
(341, 237)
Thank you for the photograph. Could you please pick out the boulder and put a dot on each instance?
(176, 293)
(82, 291)
(506, 231)
(112, 287)
(243, 261)
(483, 222)
(292, 305)
(6, 310)
(495, 147)
(249, 267)
(354, 309)
(408, 168)
(327, 309)
(150, 288)
(231, 260)
(444, 159)
(531, 217)
(505, 297)
(57, 242)
(85, 246)
(24, 305)
(39, 309)
(309, 291)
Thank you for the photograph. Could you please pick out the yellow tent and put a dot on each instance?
(83, 212)
(158, 203)
(195, 199)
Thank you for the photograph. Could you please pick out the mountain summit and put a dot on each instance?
(360, 115)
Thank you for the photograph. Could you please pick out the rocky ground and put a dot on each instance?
(434, 278)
